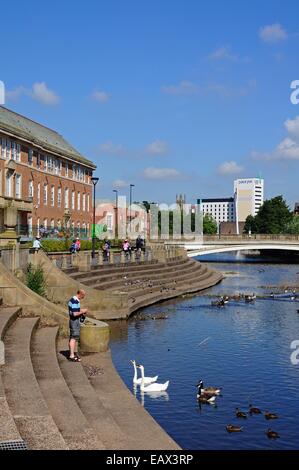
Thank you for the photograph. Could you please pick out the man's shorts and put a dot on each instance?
(75, 329)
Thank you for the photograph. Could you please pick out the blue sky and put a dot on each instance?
(174, 96)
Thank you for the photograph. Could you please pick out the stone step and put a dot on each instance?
(89, 402)
(8, 429)
(23, 395)
(70, 420)
(131, 417)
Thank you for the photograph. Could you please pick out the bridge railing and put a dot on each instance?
(248, 238)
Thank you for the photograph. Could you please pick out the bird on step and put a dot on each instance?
(147, 380)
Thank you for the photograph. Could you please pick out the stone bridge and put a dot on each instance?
(221, 244)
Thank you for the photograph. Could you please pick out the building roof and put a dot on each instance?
(39, 135)
(215, 200)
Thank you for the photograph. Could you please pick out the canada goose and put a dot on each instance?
(240, 414)
(254, 411)
(208, 390)
(230, 428)
(270, 415)
(206, 399)
(272, 434)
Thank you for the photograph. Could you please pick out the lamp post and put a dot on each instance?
(116, 212)
(130, 218)
(94, 181)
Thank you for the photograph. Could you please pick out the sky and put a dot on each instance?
(174, 96)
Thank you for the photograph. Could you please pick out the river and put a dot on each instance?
(243, 348)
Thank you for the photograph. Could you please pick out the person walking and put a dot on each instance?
(127, 248)
(37, 244)
(78, 244)
(77, 317)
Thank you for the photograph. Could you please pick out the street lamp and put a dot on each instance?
(116, 212)
(131, 186)
(94, 181)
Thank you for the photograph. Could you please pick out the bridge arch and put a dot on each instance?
(208, 250)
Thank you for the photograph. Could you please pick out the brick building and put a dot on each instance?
(43, 177)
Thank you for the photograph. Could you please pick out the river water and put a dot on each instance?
(243, 348)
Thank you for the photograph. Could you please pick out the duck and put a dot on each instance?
(270, 415)
(240, 414)
(272, 434)
(147, 380)
(254, 411)
(208, 390)
(153, 387)
(231, 428)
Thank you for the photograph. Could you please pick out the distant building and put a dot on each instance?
(249, 197)
(230, 228)
(221, 209)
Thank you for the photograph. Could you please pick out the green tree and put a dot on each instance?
(35, 279)
(292, 227)
(251, 225)
(209, 225)
(273, 216)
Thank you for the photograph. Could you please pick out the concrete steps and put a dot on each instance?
(28, 408)
(69, 418)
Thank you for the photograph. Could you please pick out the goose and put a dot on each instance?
(270, 415)
(208, 390)
(230, 428)
(254, 411)
(272, 434)
(153, 387)
(147, 380)
(204, 397)
(240, 414)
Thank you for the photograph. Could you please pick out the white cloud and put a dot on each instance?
(292, 126)
(158, 147)
(161, 173)
(223, 53)
(183, 88)
(112, 149)
(229, 168)
(288, 148)
(100, 96)
(41, 93)
(273, 33)
(118, 184)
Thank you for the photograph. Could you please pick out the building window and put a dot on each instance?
(8, 183)
(38, 194)
(73, 200)
(66, 169)
(84, 202)
(38, 160)
(84, 229)
(78, 202)
(59, 197)
(29, 222)
(30, 189)
(37, 226)
(87, 202)
(52, 195)
(66, 198)
(78, 229)
(30, 156)
(45, 194)
(45, 224)
(18, 187)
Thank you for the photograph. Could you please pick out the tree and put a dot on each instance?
(272, 217)
(209, 225)
(292, 227)
(251, 225)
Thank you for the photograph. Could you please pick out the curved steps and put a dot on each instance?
(24, 398)
(131, 417)
(69, 418)
(8, 429)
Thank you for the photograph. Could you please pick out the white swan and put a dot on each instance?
(147, 380)
(154, 387)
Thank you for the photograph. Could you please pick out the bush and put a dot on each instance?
(65, 244)
(35, 279)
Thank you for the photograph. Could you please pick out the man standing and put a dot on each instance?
(77, 316)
